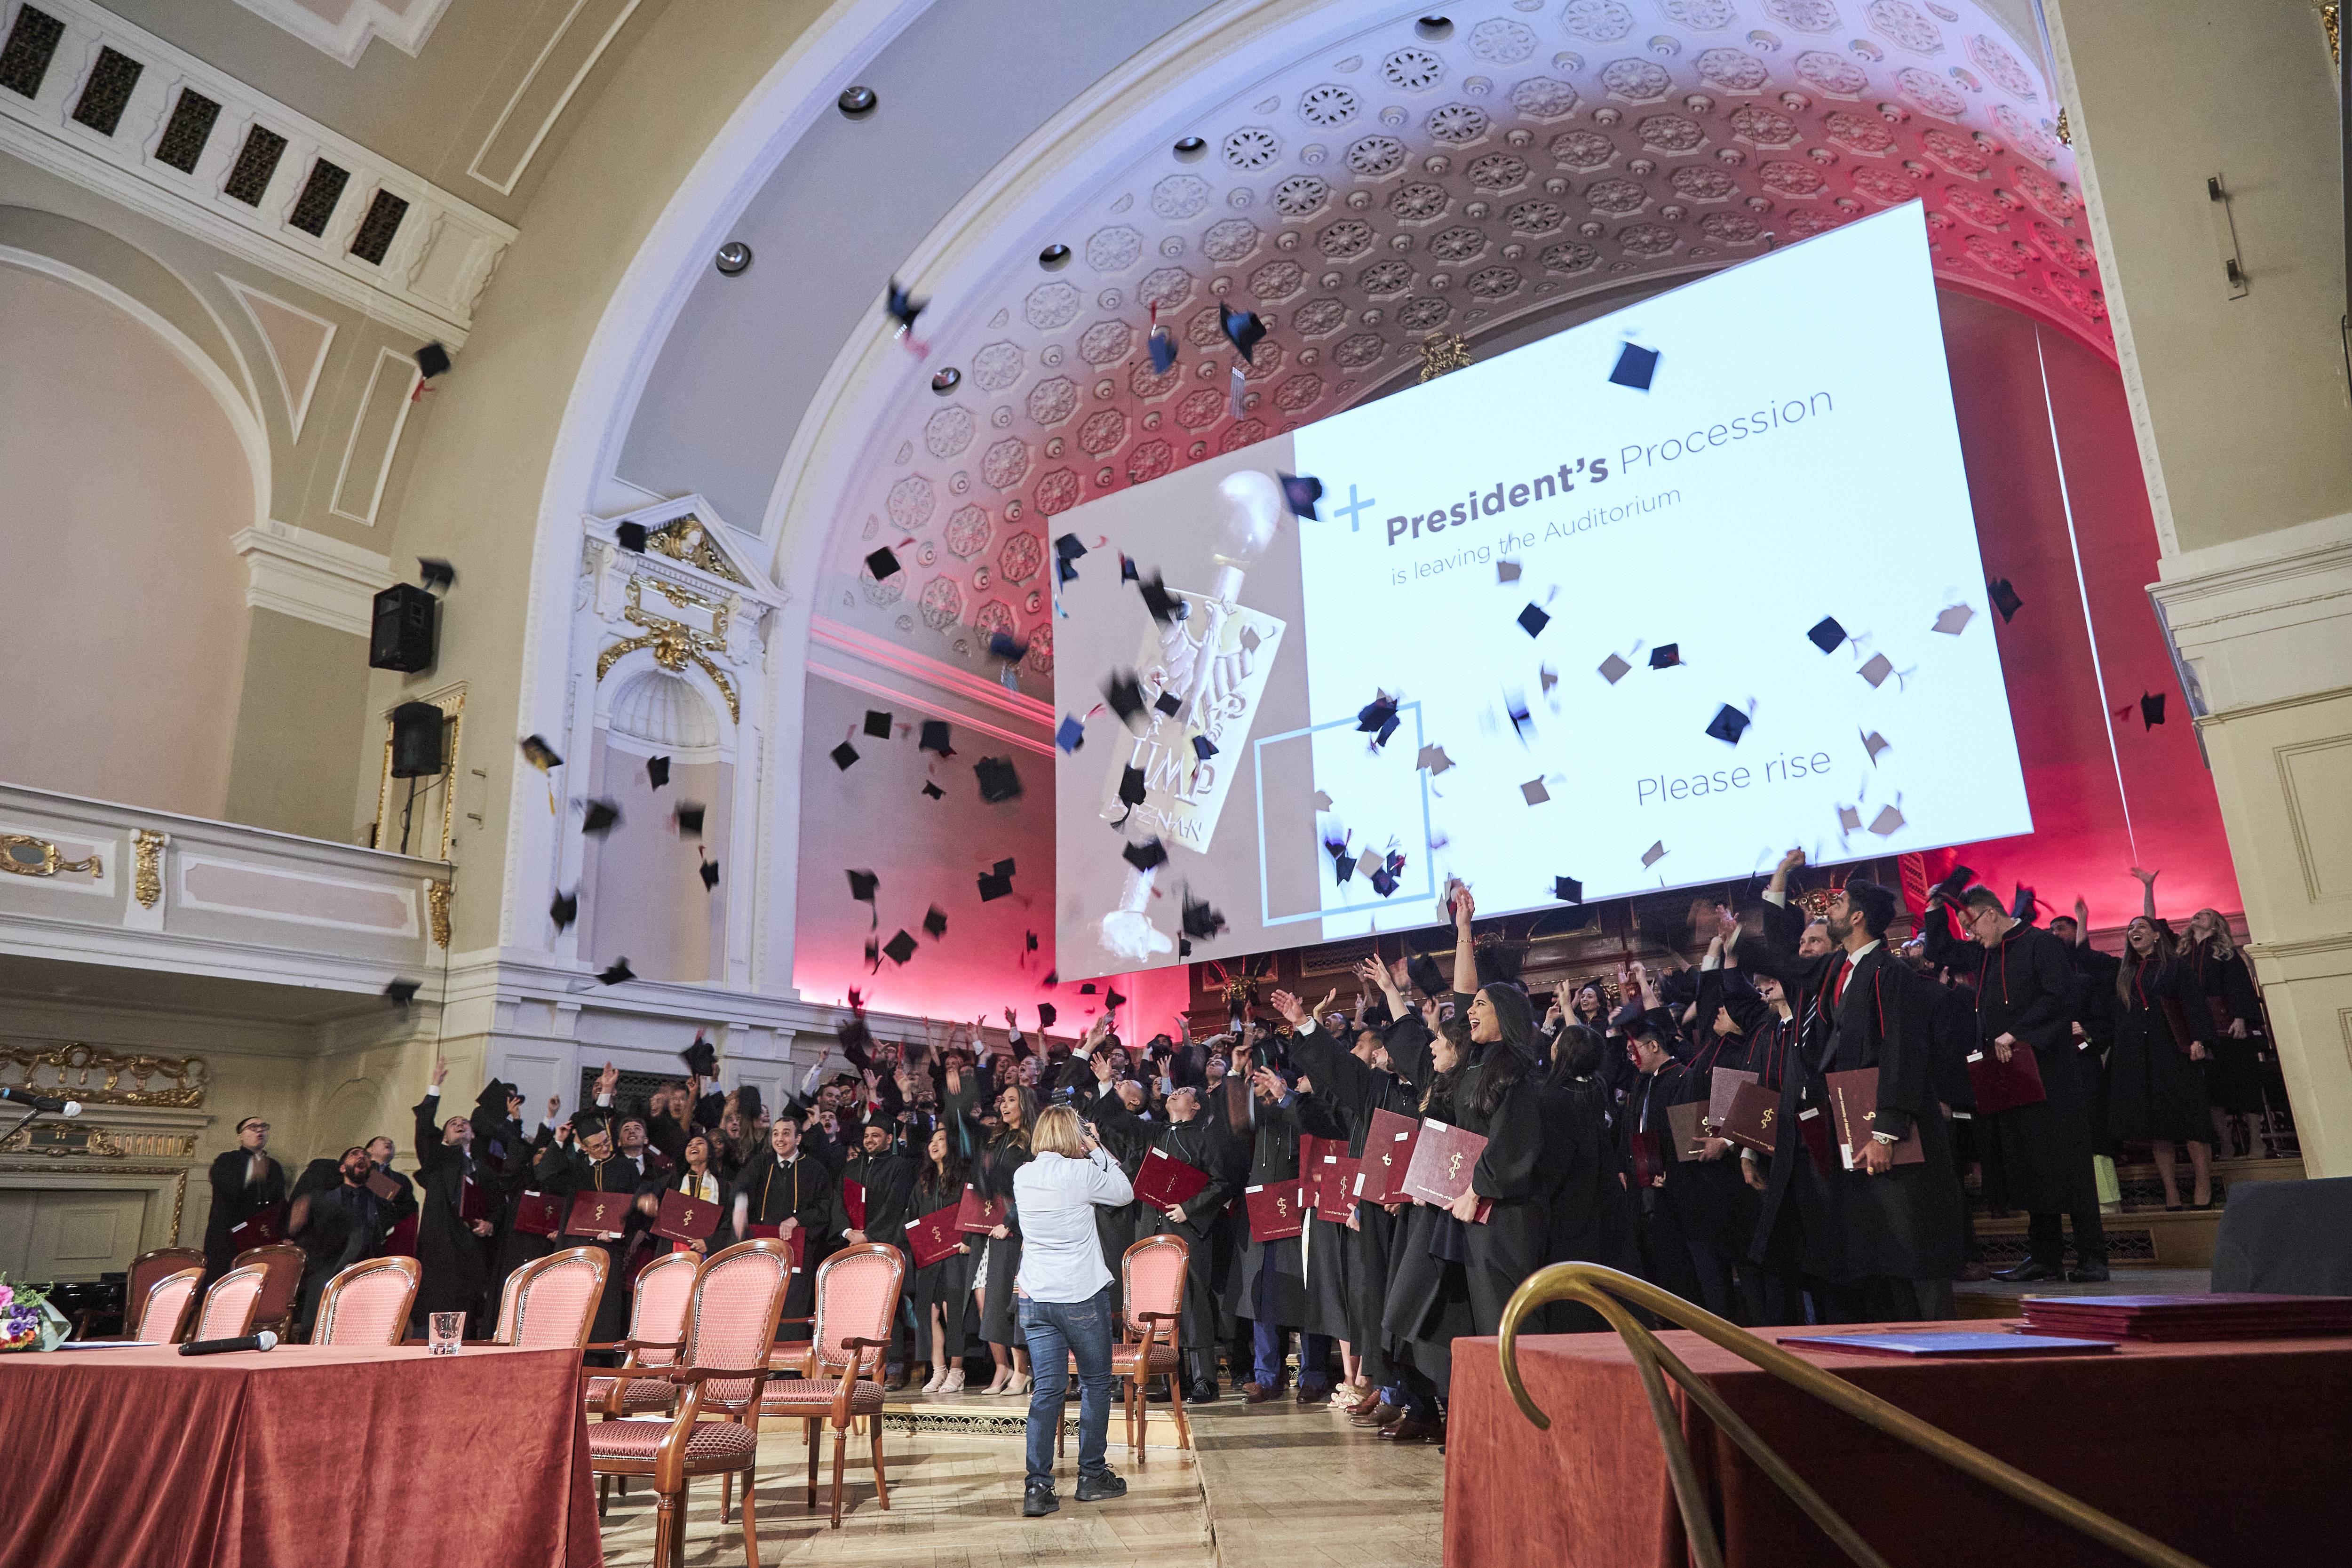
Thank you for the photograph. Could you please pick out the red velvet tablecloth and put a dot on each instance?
(2234, 1453)
(308, 1457)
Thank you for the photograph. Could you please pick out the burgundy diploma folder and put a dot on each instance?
(1853, 1103)
(1276, 1210)
(976, 1213)
(1167, 1182)
(683, 1218)
(853, 1201)
(600, 1213)
(1690, 1135)
(1749, 1119)
(265, 1228)
(1444, 1159)
(797, 1242)
(1331, 1185)
(539, 1214)
(936, 1236)
(1387, 1154)
(383, 1186)
(2005, 1085)
(473, 1203)
(1722, 1085)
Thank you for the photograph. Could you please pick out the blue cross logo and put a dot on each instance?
(1353, 506)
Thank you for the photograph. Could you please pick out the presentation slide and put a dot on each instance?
(1637, 606)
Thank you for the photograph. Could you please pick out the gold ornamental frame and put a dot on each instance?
(48, 862)
(452, 703)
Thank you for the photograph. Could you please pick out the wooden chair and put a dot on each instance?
(161, 1314)
(1151, 1280)
(722, 1366)
(230, 1306)
(368, 1303)
(549, 1303)
(857, 1301)
(281, 1287)
(658, 1308)
(147, 1270)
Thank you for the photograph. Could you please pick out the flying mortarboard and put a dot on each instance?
(1876, 668)
(1003, 645)
(1532, 620)
(934, 791)
(1112, 1000)
(2151, 710)
(1434, 759)
(1635, 366)
(1535, 792)
(903, 306)
(1506, 571)
(600, 817)
(657, 772)
(401, 992)
(433, 360)
(1147, 856)
(935, 920)
(1378, 719)
(616, 973)
(630, 536)
(899, 948)
(1665, 655)
(862, 885)
(1200, 920)
(1849, 820)
(688, 817)
(1130, 786)
(935, 738)
(564, 910)
(1125, 695)
(1164, 606)
(1069, 547)
(1046, 1014)
(710, 873)
(993, 887)
(1126, 572)
(1568, 890)
(1888, 820)
(1384, 882)
(1204, 747)
(1300, 492)
(1520, 716)
(1547, 677)
(1087, 989)
(1369, 862)
(1613, 669)
(1243, 330)
(539, 754)
(702, 1058)
(1827, 634)
(1952, 885)
(1163, 350)
(844, 756)
(2004, 599)
(1953, 619)
(1653, 854)
(878, 724)
(1874, 742)
(1727, 724)
(881, 563)
(1426, 978)
(998, 781)
(1167, 702)
(1071, 734)
(2021, 904)
(432, 570)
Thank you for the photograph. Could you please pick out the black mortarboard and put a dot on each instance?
(1613, 669)
(1069, 547)
(1070, 734)
(881, 563)
(1130, 786)
(433, 360)
(401, 992)
(1112, 1000)
(2151, 710)
(616, 973)
(1003, 645)
(688, 817)
(1200, 920)
(1087, 989)
(1521, 716)
(1827, 634)
(600, 817)
(1046, 1014)
(844, 756)
(1532, 620)
(935, 738)
(1665, 655)
(702, 1058)
(630, 536)
(1163, 350)
(1204, 747)
(934, 791)
(1635, 366)
(1125, 695)
(710, 873)
(1568, 890)
(539, 754)
(564, 910)
(935, 920)
(1164, 606)
(1378, 719)
(1300, 492)
(1147, 856)
(1002, 868)
(862, 885)
(1243, 330)
(2004, 599)
(1384, 882)
(1728, 724)
(1029, 941)
(1343, 864)
(878, 724)
(434, 570)
(899, 948)
(1167, 702)
(657, 772)
(993, 887)
(2021, 906)
(903, 307)
(998, 781)
(1952, 886)
(1422, 970)
(1126, 572)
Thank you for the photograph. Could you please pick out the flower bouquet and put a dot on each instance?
(27, 1321)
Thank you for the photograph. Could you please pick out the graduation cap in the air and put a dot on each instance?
(1147, 856)
(1953, 885)
(1534, 792)
(657, 772)
(539, 754)
(1378, 719)
(433, 360)
(436, 573)
(1874, 742)
(1665, 655)
(2021, 904)
(1888, 820)
(1130, 786)
(1163, 350)
(1003, 645)
(702, 1058)
(1653, 854)
(2151, 710)
(1635, 366)
(1521, 716)
(1343, 864)
(1426, 978)
(630, 536)
(1112, 1000)
(862, 885)
(1369, 862)
(1125, 695)
(903, 307)
(1300, 492)
(1046, 1014)
(401, 992)
(1200, 920)
(1506, 571)
(710, 873)
(994, 884)
(1164, 606)
(934, 791)
(1548, 677)
(617, 972)
(1568, 890)
(565, 909)
(600, 817)
(1849, 820)
(1204, 747)
(844, 756)
(934, 738)
(998, 781)
(1384, 882)
(1167, 702)
(1243, 330)
(2004, 599)
(1070, 734)
(1126, 572)
(878, 724)
(935, 921)
(1087, 989)
(1434, 759)
(1876, 668)
(1952, 619)
(688, 817)
(1532, 620)
(1613, 669)
(899, 948)
(881, 563)
(1827, 634)
(1727, 724)
(1068, 549)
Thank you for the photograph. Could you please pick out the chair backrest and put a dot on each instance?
(157, 1316)
(231, 1304)
(149, 1270)
(1153, 1282)
(857, 1296)
(658, 1312)
(284, 1262)
(549, 1303)
(368, 1303)
(731, 1317)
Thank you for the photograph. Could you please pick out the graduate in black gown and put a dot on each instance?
(2233, 1063)
(784, 1189)
(1003, 1153)
(1189, 1136)
(885, 1179)
(943, 1290)
(1268, 1284)
(1645, 1145)
(1719, 1210)
(455, 1252)
(2163, 1031)
(247, 1181)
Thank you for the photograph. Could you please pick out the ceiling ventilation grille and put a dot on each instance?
(190, 127)
(24, 58)
(108, 91)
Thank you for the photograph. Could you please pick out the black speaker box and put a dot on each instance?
(404, 630)
(416, 733)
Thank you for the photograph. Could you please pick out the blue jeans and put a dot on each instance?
(1058, 1331)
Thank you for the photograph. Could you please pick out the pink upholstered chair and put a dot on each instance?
(1152, 1281)
(283, 1282)
(158, 1317)
(856, 1298)
(549, 1303)
(148, 1271)
(656, 1324)
(368, 1303)
(730, 1321)
(229, 1306)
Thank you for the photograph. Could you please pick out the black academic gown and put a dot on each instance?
(554, 1173)
(341, 1225)
(803, 1189)
(1196, 1144)
(946, 1284)
(455, 1261)
(237, 1200)
(1356, 1090)
(2157, 1092)
(1269, 1143)
(1325, 1252)
(2225, 987)
(1661, 1223)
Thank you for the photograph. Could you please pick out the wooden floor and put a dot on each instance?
(1278, 1486)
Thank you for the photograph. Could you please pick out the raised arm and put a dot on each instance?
(1465, 956)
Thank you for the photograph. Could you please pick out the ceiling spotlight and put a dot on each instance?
(1434, 28)
(733, 257)
(1053, 257)
(947, 381)
(1190, 148)
(858, 101)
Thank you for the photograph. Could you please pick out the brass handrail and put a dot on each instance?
(1609, 1292)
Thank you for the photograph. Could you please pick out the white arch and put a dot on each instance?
(639, 663)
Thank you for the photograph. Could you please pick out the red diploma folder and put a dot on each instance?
(797, 1242)
(1814, 1123)
(1443, 1160)
(600, 1213)
(383, 1186)
(1276, 1210)
(936, 1236)
(265, 1228)
(1647, 1155)
(1690, 1134)
(853, 1201)
(1331, 1185)
(473, 1203)
(683, 1218)
(539, 1214)
(1751, 1120)
(402, 1241)
(1387, 1154)
(1853, 1103)
(977, 1213)
(1312, 1151)
(1167, 1182)
(2005, 1085)
(1722, 1084)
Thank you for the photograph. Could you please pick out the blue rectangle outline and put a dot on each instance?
(1267, 918)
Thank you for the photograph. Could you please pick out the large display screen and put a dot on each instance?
(1637, 606)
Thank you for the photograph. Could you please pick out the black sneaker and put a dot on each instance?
(1039, 1501)
(2088, 1274)
(1100, 1487)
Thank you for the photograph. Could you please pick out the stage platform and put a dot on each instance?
(2141, 1233)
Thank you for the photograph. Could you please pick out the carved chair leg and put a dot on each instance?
(881, 1480)
(751, 1528)
(726, 1495)
(667, 1542)
(812, 1425)
(603, 1495)
(1176, 1408)
(840, 1443)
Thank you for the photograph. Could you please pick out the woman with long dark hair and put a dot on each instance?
(2156, 1089)
(1590, 1213)
(699, 1179)
(941, 1289)
(1000, 1259)
(2233, 1073)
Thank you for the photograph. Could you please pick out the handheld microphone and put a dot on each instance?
(263, 1341)
(41, 1102)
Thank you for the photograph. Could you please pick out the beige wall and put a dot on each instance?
(294, 768)
(125, 482)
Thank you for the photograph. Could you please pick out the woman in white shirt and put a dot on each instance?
(1067, 1300)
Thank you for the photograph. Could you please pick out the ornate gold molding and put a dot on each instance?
(684, 539)
(438, 894)
(2065, 132)
(1442, 354)
(675, 645)
(23, 854)
(77, 1139)
(70, 1069)
(147, 876)
(2329, 19)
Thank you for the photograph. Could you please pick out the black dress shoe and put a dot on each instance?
(1100, 1487)
(1201, 1392)
(2027, 1272)
(1039, 1501)
(2093, 1274)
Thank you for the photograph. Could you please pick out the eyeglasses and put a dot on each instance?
(252, 1127)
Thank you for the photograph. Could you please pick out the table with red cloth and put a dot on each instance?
(2231, 1452)
(307, 1456)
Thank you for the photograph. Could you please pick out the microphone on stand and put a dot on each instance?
(41, 1102)
(263, 1341)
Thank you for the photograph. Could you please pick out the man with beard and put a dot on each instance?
(592, 1165)
(886, 1180)
(454, 1250)
(336, 1221)
(402, 1205)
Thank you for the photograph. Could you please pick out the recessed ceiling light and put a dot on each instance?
(1053, 257)
(1434, 28)
(947, 381)
(733, 257)
(1189, 148)
(858, 101)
